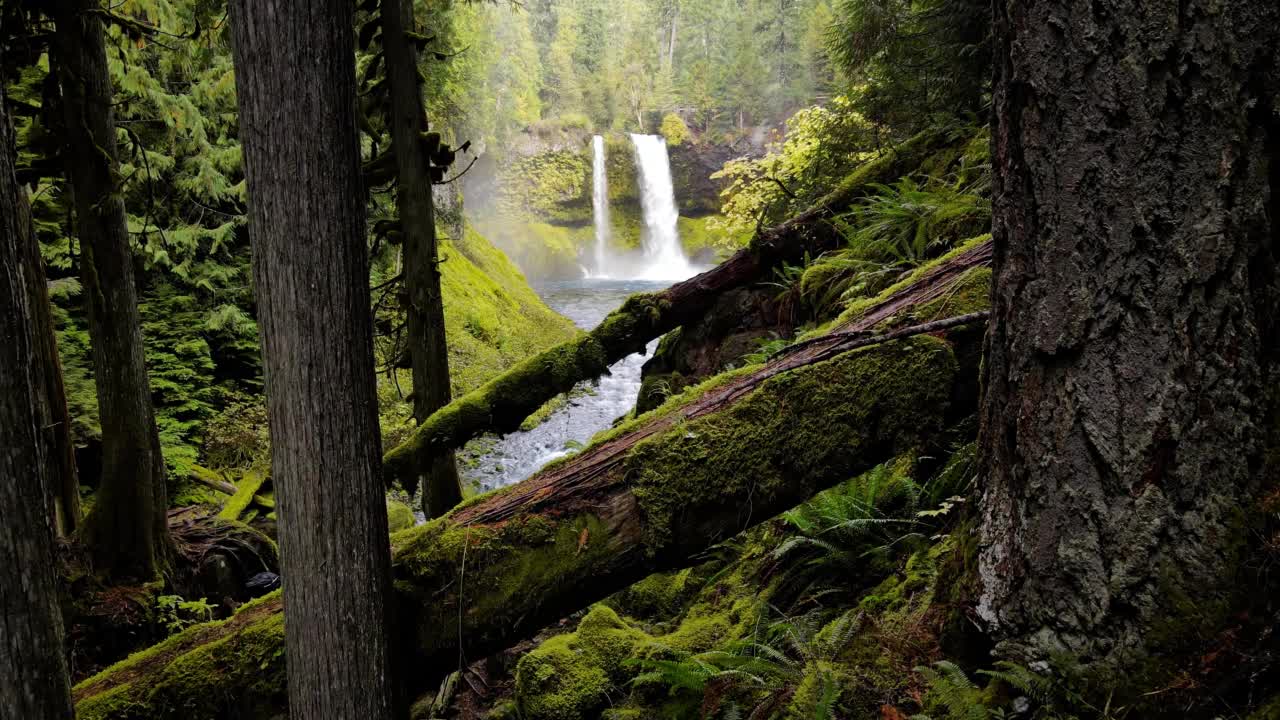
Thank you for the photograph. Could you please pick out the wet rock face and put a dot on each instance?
(692, 165)
(732, 329)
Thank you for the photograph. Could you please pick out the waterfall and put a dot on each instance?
(600, 205)
(663, 256)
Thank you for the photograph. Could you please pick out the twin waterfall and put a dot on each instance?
(663, 257)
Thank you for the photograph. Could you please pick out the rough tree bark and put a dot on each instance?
(126, 533)
(504, 402)
(649, 498)
(1130, 419)
(51, 395)
(295, 77)
(422, 300)
(33, 670)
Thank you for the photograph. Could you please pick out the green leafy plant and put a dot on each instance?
(848, 531)
(1023, 693)
(908, 222)
(177, 614)
(789, 661)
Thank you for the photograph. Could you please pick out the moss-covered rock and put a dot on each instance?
(399, 516)
(659, 595)
(569, 677)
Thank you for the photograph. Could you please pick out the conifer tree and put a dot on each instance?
(127, 532)
(295, 77)
(414, 151)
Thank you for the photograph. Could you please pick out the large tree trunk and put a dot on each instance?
(424, 305)
(295, 77)
(126, 533)
(33, 669)
(503, 403)
(1130, 418)
(51, 395)
(651, 498)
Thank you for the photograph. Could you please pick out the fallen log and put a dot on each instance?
(245, 495)
(216, 481)
(648, 497)
(502, 404)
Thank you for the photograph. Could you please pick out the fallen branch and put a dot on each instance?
(862, 338)
(215, 481)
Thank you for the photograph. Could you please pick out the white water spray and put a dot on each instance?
(600, 206)
(663, 256)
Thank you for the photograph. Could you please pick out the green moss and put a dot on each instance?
(705, 241)
(243, 659)
(552, 185)
(399, 516)
(569, 677)
(659, 595)
(541, 249)
(498, 585)
(821, 683)
(556, 682)
(861, 405)
(970, 301)
(249, 485)
(493, 319)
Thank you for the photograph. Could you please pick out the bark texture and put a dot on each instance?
(33, 670)
(126, 533)
(296, 84)
(504, 402)
(1130, 417)
(652, 496)
(423, 302)
(51, 393)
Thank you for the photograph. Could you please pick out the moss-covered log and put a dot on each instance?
(503, 403)
(239, 497)
(648, 496)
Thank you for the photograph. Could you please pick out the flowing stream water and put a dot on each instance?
(497, 463)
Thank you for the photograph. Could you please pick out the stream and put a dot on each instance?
(490, 463)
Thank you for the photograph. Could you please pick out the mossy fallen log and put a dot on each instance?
(216, 481)
(502, 404)
(648, 496)
(245, 495)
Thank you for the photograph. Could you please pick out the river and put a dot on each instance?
(496, 462)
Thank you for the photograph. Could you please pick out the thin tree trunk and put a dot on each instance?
(1130, 418)
(51, 398)
(33, 670)
(424, 304)
(295, 76)
(127, 533)
(671, 48)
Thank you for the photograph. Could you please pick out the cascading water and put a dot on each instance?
(600, 206)
(663, 256)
